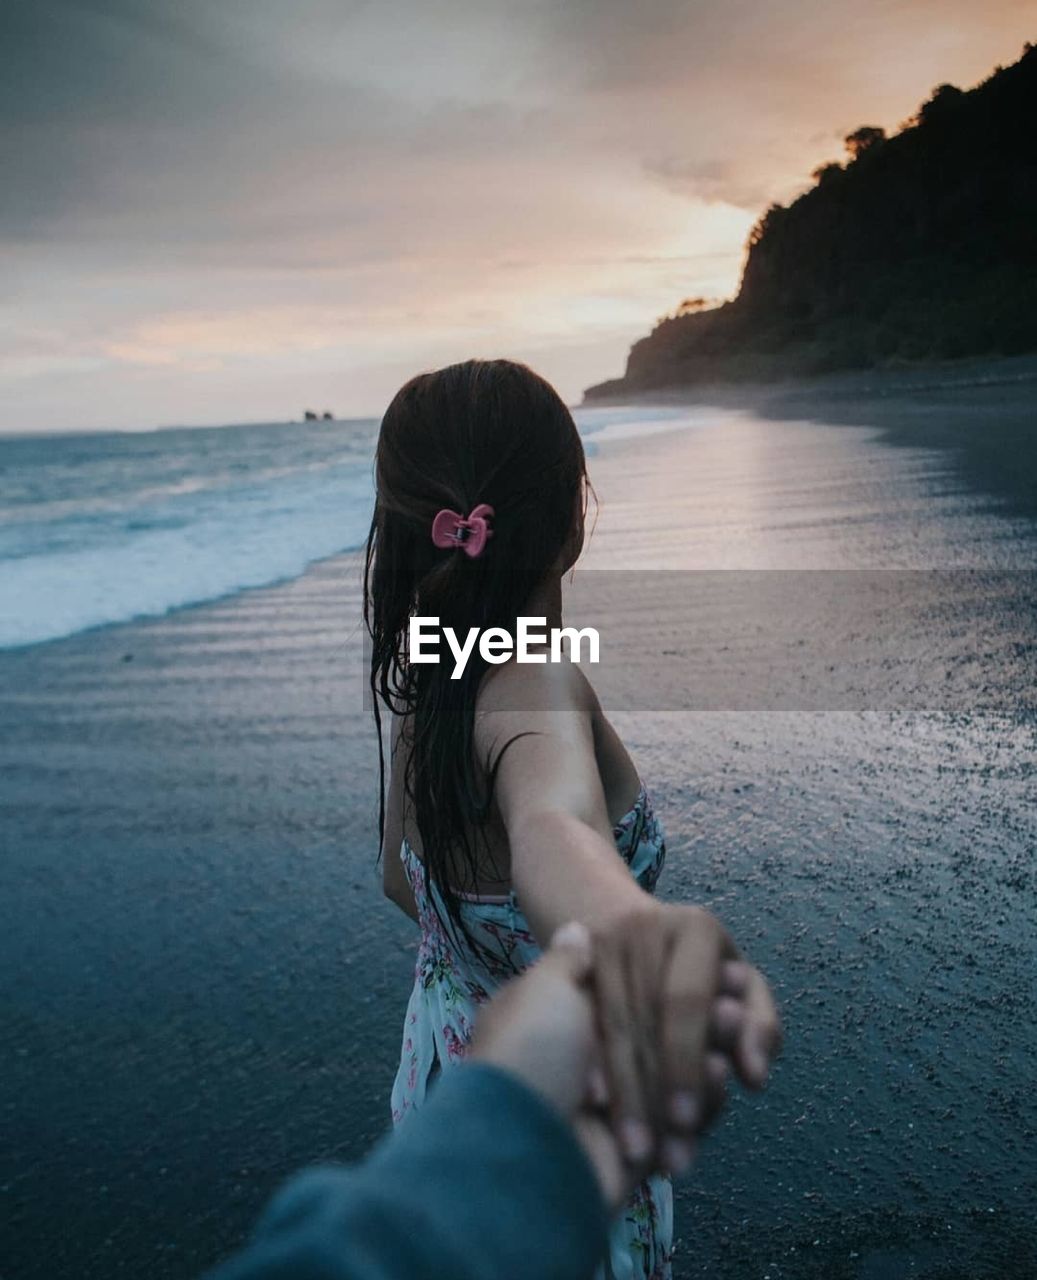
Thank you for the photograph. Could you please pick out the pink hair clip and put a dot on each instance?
(451, 529)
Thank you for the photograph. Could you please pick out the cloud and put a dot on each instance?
(370, 183)
(710, 180)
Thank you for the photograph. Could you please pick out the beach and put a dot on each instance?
(206, 988)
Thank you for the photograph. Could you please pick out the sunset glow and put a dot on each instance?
(224, 213)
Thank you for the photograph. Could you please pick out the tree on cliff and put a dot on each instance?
(864, 139)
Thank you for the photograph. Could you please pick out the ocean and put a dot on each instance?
(104, 528)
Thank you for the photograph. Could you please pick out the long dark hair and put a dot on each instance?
(485, 431)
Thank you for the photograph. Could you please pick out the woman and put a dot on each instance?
(512, 805)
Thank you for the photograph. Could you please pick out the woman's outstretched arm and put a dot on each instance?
(537, 722)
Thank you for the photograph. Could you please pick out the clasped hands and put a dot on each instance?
(633, 1033)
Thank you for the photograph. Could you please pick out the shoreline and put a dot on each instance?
(347, 555)
(982, 412)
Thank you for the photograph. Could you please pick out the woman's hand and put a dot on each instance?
(630, 1035)
(676, 1005)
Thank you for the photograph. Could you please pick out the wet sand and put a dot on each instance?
(205, 986)
(982, 414)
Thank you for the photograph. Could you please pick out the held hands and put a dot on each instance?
(632, 1036)
(677, 1010)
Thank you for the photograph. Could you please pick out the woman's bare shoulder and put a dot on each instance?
(535, 688)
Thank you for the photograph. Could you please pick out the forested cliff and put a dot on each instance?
(923, 246)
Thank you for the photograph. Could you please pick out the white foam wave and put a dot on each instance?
(256, 540)
(109, 531)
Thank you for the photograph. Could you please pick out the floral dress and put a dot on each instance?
(451, 981)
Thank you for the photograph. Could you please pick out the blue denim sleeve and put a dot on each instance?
(484, 1182)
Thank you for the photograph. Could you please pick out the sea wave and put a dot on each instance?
(163, 564)
(103, 529)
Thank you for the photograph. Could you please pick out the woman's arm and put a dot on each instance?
(538, 722)
(395, 884)
(564, 863)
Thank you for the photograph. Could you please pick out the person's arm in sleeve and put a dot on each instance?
(490, 1179)
(486, 1181)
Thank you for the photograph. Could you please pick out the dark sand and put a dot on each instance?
(198, 941)
(205, 987)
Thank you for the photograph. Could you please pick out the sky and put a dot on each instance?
(231, 210)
